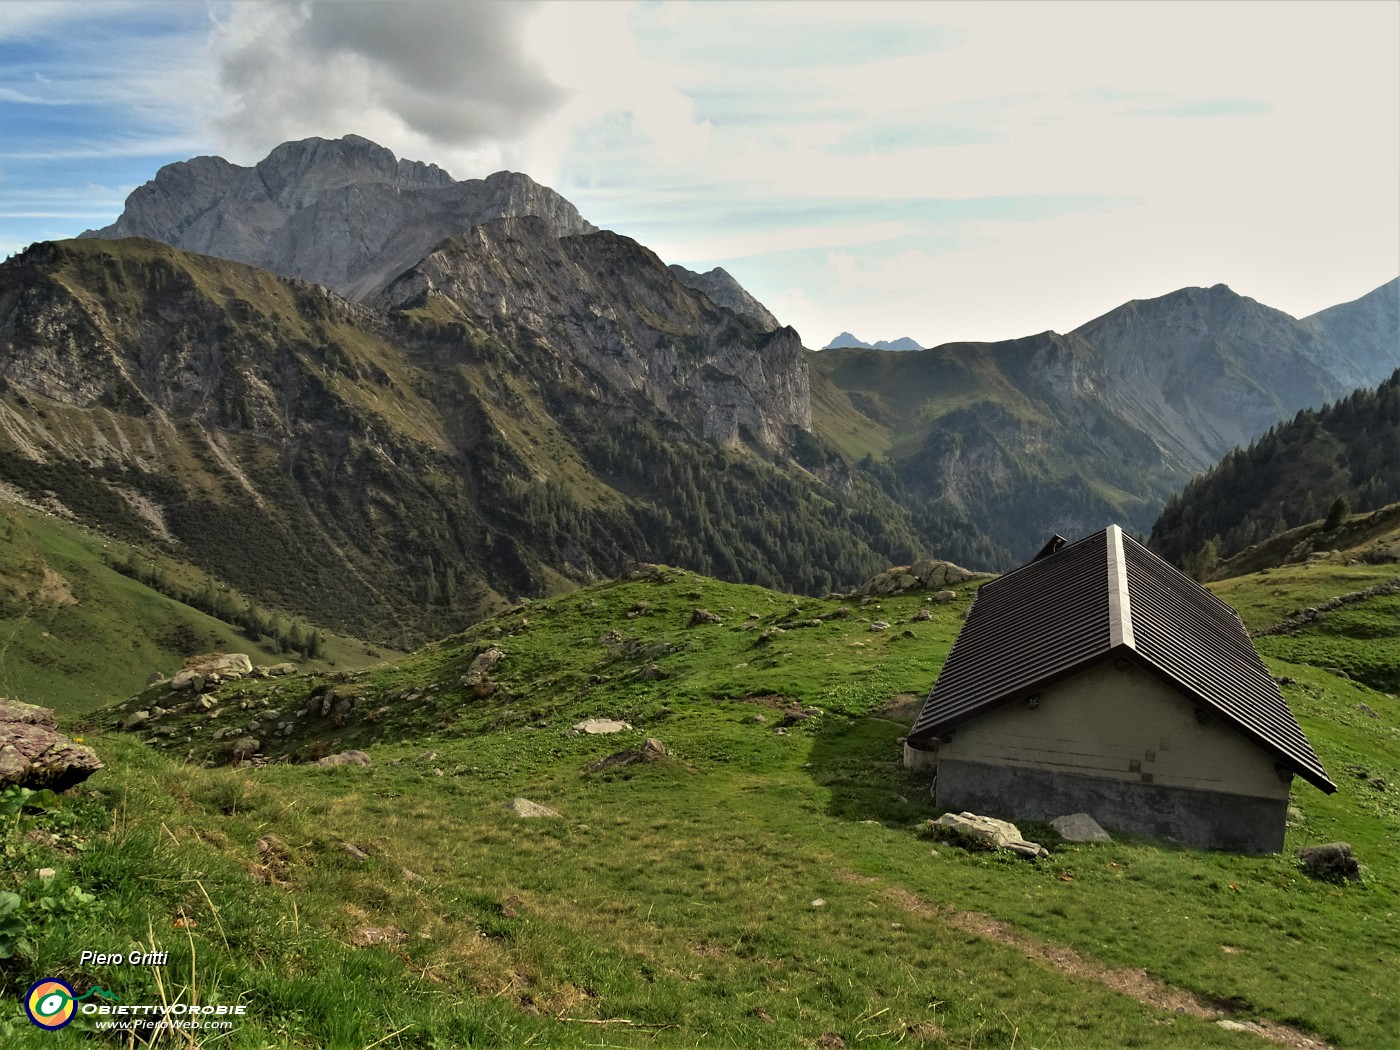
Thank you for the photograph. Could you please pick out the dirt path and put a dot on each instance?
(1138, 984)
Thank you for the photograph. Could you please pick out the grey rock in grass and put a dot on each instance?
(652, 750)
(346, 758)
(986, 832)
(600, 726)
(244, 747)
(702, 616)
(135, 720)
(354, 851)
(34, 754)
(523, 807)
(1332, 860)
(1080, 827)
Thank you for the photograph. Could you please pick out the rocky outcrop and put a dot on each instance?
(927, 573)
(345, 213)
(34, 754)
(725, 291)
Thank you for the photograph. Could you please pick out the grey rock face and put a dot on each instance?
(725, 291)
(1366, 331)
(345, 213)
(608, 308)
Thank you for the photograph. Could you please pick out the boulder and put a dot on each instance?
(600, 726)
(523, 807)
(701, 616)
(1333, 860)
(987, 833)
(34, 754)
(154, 678)
(943, 597)
(277, 670)
(135, 720)
(652, 750)
(1080, 827)
(345, 758)
(244, 747)
(189, 678)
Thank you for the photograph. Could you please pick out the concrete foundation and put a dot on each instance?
(1203, 819)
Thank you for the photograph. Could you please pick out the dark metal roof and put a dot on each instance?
(1109, 595)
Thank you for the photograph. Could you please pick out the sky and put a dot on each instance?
(945, 171)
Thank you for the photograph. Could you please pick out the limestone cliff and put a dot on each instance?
(613, 310)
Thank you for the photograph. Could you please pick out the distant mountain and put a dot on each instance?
(1366, 330)
(725, 291)
(847, 341)
(345, 213)
(1290, 476)
(1015, 440)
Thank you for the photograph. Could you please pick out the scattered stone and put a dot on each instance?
(819, 903)
(34, 754)
(600, 726)
(42, 874)
(923, 614)
(344, 758)
(943, 597)
(244, 747)
(652, 750)
(1080, 827)
(204, 703)
(613, 637)
(1333, 860)
(1377, 782)
(879, 625)
(427, 756)
(278, 670)
(1295, 816)
(1366, 710)
(984, 832)
(411, 876)
(154, 678)
(768, 635)
(702, 616)
(135, 720)
(367, 935)
(831, 1041)
(187, 679)
(354, 851)
(523, 807)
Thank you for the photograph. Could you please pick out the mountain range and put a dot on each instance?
(849, 342)
(388, 401)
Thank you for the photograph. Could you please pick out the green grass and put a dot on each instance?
(679, 895)
(76, 635)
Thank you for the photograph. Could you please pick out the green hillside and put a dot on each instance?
(762, 886)
(75, 634)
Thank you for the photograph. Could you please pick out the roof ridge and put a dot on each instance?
(1120, 603)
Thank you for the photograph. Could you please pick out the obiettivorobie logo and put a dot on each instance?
(52, 1004)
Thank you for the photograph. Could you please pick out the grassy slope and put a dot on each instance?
(91, 636)
(680, 895)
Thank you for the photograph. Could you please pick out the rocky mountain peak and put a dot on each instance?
(725, 291)
(346, 213)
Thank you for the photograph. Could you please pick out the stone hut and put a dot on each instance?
(1098, 679)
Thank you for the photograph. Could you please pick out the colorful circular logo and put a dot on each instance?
(49, 1003)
